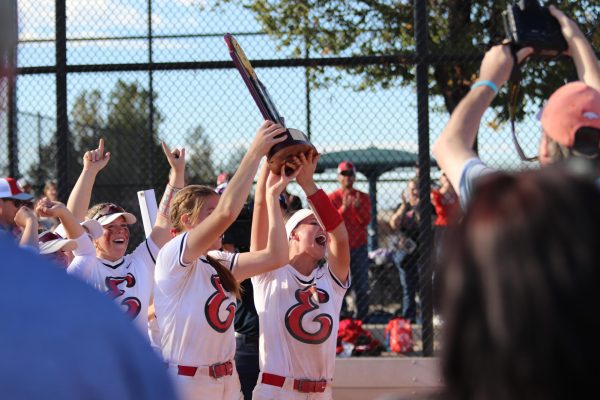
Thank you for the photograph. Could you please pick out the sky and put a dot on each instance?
(218, 100)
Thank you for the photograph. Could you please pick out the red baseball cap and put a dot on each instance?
(346, 166)
(571, 107)
(10, 190)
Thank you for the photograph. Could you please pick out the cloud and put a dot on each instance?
(89, 17)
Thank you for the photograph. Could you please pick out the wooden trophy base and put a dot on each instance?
(282, 154)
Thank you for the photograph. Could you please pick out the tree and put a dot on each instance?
(200, 167)
(234, 159)
(137, 160)
(386, 27)
(45, 170)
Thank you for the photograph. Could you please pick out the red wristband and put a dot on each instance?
(328, 216)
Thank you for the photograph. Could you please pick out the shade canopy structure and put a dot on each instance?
(372, 162)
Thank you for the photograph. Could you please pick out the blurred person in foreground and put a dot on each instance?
(518, 289)
(570, 120)
(60, 339)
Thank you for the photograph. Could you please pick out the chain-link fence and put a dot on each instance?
(373, 85)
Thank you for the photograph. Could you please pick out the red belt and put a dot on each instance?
(215, 371)
(301, 385)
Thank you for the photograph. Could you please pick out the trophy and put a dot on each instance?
(296, 142)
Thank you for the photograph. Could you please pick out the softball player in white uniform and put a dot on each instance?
(196, 287)
(299, 304)
(127, 279)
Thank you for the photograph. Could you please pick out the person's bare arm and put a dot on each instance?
(55, 209)
(260, 218)
(27, 221)
(338, 247)
(398, 215)
(232, 200)
(579, 49)
(161, 232)
(93, 162)
(275, 253)
(455, 145)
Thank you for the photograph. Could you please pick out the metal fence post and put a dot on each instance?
(150, 161)
(11, 90)
(62, 119)
(425, 229)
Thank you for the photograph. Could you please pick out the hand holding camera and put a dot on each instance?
(528, 24)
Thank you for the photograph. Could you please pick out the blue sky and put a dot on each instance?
(218, 99)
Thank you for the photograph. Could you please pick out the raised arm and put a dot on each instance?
(579, 49)
(27, 221)
(338, 247)
(232, 200)
(260, 218)
(455, 145)
(275, 253)
(93, 162)
(55, 209)
(396, 218)
(161, 232)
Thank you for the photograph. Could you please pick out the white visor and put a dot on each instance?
(51, 243)
(295, 219)
(107, 219)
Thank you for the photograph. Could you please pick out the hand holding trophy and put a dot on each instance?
(296, 142)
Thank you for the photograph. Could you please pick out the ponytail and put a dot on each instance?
(227, 279)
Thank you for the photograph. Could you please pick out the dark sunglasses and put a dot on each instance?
(347, 173)
(21, 203)
(108, 210)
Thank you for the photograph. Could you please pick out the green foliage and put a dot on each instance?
(137, 160)
(200, 168)
(123, 121)
(386, 27)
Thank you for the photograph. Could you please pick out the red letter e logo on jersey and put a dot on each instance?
(307, 303)
(213, 305)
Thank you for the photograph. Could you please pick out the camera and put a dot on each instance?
(527, 24)
(238, 234)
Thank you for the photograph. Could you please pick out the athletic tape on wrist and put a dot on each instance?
(165, 202)
(328, 216)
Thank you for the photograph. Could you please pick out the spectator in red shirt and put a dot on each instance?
(355, 207)
(445, 202)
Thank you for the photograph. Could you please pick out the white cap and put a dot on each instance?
(295, 219)
(49, 242)
(9, 189)
(91, 225)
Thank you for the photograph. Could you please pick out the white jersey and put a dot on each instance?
(195, 313)
(298, 320)
(128, 281)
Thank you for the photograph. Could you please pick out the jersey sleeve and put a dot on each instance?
(85, 247)
(85, 259)
(473, 169)
(170, 270)
(147, 252)
(337, 283)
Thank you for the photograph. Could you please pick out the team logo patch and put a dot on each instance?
(132, 305)
(309, 299)
(213, 305)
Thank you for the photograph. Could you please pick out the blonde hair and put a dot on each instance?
(190, 200)
(95, 209)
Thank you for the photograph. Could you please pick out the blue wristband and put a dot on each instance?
(489, 84)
